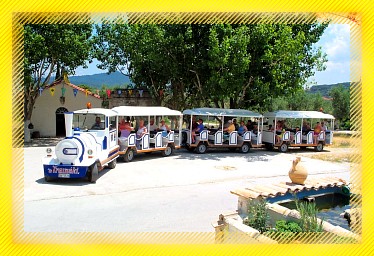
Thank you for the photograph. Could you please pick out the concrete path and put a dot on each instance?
(181, 193)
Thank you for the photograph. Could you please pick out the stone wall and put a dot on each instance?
(126, 97)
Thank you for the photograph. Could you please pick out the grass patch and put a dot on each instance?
(338, 158)
(335, 157)
(341, 141)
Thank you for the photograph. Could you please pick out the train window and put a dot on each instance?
(89, 121)
(113, 122)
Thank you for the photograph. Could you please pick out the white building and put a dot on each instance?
(48, 114)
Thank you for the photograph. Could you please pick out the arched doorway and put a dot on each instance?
(60, 122)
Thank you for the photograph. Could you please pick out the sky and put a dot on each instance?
(335, 42)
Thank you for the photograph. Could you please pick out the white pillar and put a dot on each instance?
(69, 124)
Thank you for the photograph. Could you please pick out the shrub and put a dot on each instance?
(258, 215)
(283, 226)
(308, 212)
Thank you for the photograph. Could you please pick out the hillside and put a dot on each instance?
(98, 80)
(117, 79)
(325, 88)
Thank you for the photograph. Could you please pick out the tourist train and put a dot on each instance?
(280, 129)
(97, 137)
(91, 142)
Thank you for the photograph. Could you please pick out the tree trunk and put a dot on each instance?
(29, 107)
(232, 103)
(27, 132)
(58, 73)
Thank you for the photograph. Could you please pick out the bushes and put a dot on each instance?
(258, 215)
(258, 218)
(308, 220)
(284, 226)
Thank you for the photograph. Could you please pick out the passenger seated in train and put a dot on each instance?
(121, 125)
(199, 128)
(164, 128)
(98, 125)
(230, 127)
(255, 128)
(141, 130)
(249, 125)
(194, 124)
(323, 126)
(152, 126)
(125, 128)
(242, 128)
(235, 124)
(278, 132)
(306, 127)
(317, 130)
(293, 133)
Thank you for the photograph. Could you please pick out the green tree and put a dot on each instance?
(302, 100)
(341, 105)
(240, 66)
(51, 49)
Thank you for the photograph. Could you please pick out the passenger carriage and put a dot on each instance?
(157, 139)
(296, 133)
(90, 144)
(214, 135)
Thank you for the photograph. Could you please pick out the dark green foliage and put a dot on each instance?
(220, 65)
(49, 49)
(341, 105)
(301, 100)
(284, 226)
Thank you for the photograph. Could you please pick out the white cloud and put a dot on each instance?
(336, 42)
(338, 67)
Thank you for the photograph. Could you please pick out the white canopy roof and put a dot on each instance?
(101, 111)
(298, 114)
(221, 112)
(145, 111)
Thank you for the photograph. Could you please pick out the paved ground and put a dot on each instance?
(184, 192)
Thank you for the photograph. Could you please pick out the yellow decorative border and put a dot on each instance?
(13, 240)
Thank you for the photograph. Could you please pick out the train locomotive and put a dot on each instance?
(91, 142)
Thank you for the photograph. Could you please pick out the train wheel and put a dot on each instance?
(93, 174)
(201, 148)
(244, 148)
(128, 156)
(283, 148)
(169, 150)
(319, 147)
(113, 164)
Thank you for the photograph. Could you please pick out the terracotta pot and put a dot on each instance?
(298, 173)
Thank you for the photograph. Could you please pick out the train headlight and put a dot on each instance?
(49, 152)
